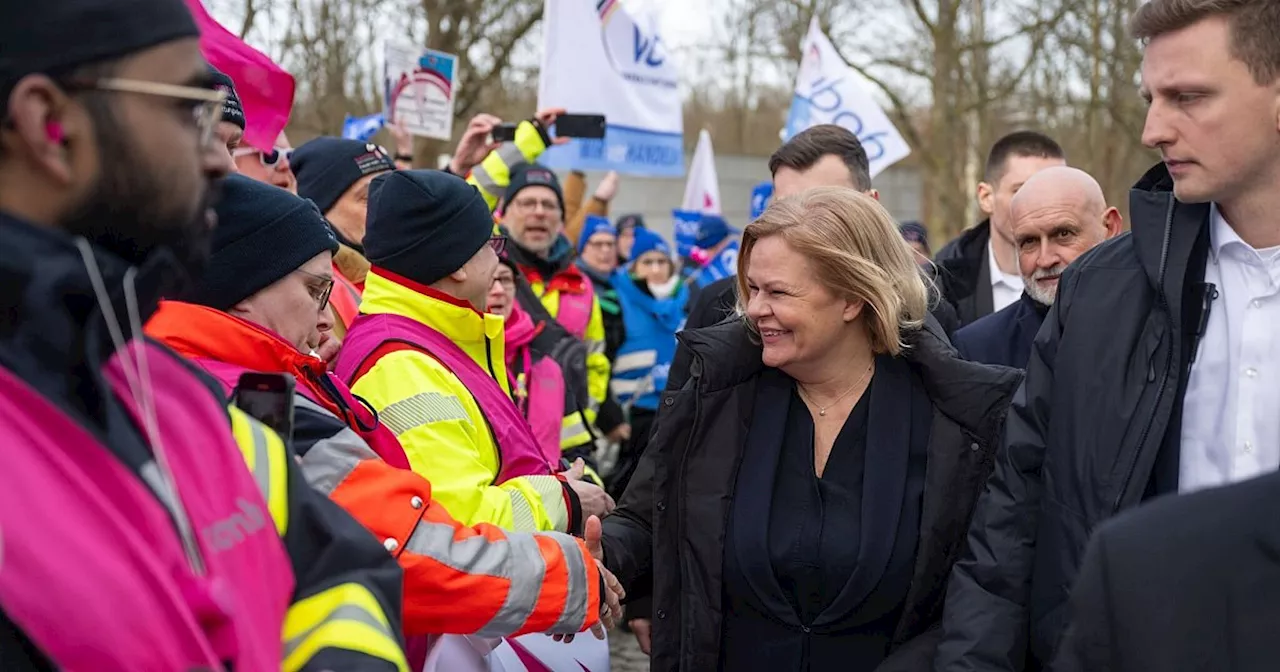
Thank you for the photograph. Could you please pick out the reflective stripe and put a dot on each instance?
(595, 347)
(516, 558)
(421, 409)
(331, 460)
(627, 386)
(522, 517)
(578, 593)
(635, 361)
(551, 492)
(346, 616)
(572, 432)
(265, 454)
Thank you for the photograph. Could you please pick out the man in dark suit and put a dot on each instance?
(1183, 584)
(978, 271)
(1058, 215)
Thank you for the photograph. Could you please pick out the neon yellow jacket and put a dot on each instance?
(440, 425)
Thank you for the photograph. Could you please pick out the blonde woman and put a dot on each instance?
(806, 492)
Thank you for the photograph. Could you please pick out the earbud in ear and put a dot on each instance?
(53, 129)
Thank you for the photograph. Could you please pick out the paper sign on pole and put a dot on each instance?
(598, 58)
(827, 92)
(419, 90)
(702, 191)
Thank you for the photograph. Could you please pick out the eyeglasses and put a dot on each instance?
(269, 159)
(499, 244)
(531, 204)
(323, 288)
(206, 110)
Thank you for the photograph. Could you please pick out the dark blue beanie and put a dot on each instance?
(263, 234)
(326, 167)
(424, 224)
(232, 109)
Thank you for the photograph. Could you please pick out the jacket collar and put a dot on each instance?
(520, 330)
(199, 332)
(386, 292)
(1166, 232)
(53, 333)
(972, 395)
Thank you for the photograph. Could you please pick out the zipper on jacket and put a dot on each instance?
(695, 373)
(488, 360)
(1168, 359)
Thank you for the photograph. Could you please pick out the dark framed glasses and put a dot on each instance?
(322, 288)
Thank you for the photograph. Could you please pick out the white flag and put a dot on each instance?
(827, 92)
(598, 58)
(702, 191)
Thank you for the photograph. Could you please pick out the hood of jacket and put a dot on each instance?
(200, 332)
(53, 331)
(558, 261)
(970, 394)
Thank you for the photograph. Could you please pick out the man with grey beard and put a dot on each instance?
(1058, 215)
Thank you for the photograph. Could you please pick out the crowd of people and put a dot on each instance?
(809, 443)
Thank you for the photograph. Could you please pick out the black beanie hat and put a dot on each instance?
(263, 234)
(532, 175)
(326, 167)
(424, 224)
(232, 110)
(56, 37)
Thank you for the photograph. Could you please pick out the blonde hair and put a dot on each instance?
(857, 252)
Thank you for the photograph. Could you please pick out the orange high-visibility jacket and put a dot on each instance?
(458, 579)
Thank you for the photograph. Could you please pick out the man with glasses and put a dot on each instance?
(170, 554)
(532, 214)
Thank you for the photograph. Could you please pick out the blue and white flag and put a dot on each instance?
(761, 197)
(827, 92)
(597, 58)
(362, 128)
(686, 226)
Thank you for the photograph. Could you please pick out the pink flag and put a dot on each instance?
(265, 90)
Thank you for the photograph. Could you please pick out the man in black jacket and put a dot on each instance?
(1059, 214)
(1149, 375)
(978, 271)
(1183, 584)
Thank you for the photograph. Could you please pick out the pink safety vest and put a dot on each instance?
(574, 311)
(92, 568)
(521, 455)
(540, 383)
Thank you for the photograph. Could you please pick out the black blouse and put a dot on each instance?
(814, 540)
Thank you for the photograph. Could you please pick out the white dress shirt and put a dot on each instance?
(1231, 414)
(1005, 288)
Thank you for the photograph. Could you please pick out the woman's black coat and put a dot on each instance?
(669, 528)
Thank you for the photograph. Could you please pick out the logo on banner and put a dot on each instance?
(638, 55)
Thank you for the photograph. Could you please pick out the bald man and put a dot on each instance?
(1058, 215)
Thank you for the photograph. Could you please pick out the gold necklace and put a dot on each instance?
(822, 410)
